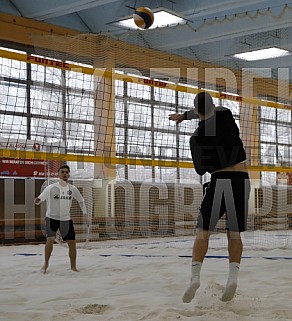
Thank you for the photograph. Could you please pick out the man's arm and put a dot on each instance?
(191, 114)
(43, 196)
(37, 201)
(188, 115)
(199, 156)
(178, 118)
(79, 198)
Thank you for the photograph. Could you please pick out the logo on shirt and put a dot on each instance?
(62, 197)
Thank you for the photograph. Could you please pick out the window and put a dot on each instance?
(51, 106)
(143, 131)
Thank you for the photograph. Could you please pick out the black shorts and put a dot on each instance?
(66, 229)
(227, 192)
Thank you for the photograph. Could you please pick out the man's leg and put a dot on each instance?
(68, 234)
(235, 252)
(72, 254)
(48, 251)
(200, 249)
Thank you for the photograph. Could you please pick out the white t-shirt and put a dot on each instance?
(59, 200)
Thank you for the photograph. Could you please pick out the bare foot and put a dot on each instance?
(44, 268)
(74, 269)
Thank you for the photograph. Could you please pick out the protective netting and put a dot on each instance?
(102, 106)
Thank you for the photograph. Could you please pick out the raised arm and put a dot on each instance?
(188, 115)
(191, 114)
(178, 118)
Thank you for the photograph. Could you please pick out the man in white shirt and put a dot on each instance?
(59, 198)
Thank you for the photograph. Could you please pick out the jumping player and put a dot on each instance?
(216, 148)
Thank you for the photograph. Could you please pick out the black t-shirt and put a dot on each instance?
(216, 144)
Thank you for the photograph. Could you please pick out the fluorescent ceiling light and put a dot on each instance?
(261, 54)
(162, 18)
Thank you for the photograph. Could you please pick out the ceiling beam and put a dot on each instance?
(44, 10)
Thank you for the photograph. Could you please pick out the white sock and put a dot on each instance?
(231, 284)
(195, 282)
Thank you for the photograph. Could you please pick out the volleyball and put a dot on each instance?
(143, 17)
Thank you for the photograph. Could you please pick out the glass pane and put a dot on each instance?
(79, 136)
(165, 95)
(284, 115)
(139, 115)
(268, 154)
(80, 146)
(268, 113)
(184, 147)
(232, 105)
(46, 74)
(119, 87)
(13, 97)
(51, 130)
(13, 126)
(80, 106)
(285, 155)
(140, 138)
(120, 134)
(187, 127)
(268, 178)
(121, 172)
(186, 99)
(284, 134)
(120, 116)
(161, 117)
(79, 80)
(139, 91)
(46, 102)
(268, 132)
(12, 68)
(164, 144)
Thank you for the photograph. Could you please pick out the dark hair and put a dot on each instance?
(203, 103)
(64, 166)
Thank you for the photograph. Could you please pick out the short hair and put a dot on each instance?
(203, 103)
(64, 166)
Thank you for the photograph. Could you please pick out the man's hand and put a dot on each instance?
(178, 118)
(37, 201)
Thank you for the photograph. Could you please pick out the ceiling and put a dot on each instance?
(215, 30)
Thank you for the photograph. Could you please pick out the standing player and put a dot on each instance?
(217, 148)
(59, 198)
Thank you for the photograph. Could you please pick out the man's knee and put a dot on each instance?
(50, 240)
(202, 234)
(233, 235)
(71, 243)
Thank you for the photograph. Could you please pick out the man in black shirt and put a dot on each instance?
(216, 148)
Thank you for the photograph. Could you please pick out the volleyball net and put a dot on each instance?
(97, 107)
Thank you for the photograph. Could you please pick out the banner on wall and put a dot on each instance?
(284, 178)
(18, 167)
